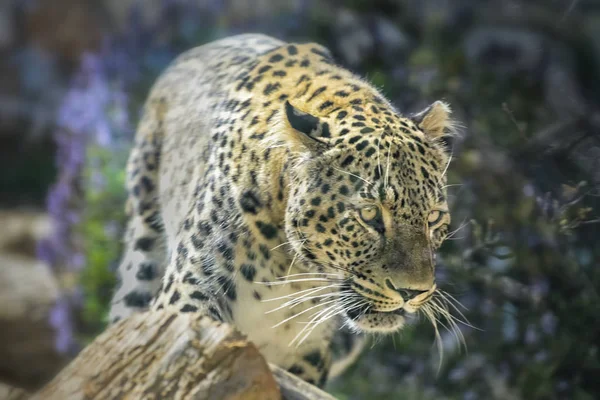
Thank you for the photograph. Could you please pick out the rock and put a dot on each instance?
(11, 393)
(28, 291)
(66, 35)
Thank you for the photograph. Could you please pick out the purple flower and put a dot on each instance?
(60, 320)
(82, 118)
(94, 110)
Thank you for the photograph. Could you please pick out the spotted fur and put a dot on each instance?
(270, 187)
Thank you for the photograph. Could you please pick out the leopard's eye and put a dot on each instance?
(369, 213)
(434, 218)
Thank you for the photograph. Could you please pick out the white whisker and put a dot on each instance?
(354, 175)
(292, 263)
(303, 312)
(288, 242)
(465, 321)
(463, 224)
(438, 339)
(322, 317)
(294, 302)
(292, 281)
(333, 307)
(379, 159)
(452, 328)
(309, 273)
(448, 164)
(450, 297)
(452, 185)
(301, 293)
(387, 167)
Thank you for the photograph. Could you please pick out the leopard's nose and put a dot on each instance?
(406, 293)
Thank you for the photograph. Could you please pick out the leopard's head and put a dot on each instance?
(367, 207)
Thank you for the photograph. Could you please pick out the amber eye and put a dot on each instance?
(435, 217)
(369, 213)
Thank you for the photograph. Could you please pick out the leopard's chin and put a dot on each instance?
(368, 321)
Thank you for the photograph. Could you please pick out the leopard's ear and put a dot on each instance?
(305, 130)
(435, 121)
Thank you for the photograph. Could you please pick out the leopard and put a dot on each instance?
(271, 188)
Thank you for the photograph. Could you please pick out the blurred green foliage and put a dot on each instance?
(101, 230)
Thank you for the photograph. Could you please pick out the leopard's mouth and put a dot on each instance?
(367, 309)
(365, 319)
(368, 317)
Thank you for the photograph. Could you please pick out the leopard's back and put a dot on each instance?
(173, 146)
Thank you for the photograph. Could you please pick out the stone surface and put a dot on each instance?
(11, 393)
(28, 291)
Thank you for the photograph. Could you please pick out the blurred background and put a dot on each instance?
(523, 77)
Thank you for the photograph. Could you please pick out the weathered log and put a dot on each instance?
(293, 388)
(162, 355)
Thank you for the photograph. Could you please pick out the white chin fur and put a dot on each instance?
(377, 323)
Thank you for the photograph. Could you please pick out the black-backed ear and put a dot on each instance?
(435, 121)
(310, 130)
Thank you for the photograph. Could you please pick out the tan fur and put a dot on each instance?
(232, 199)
